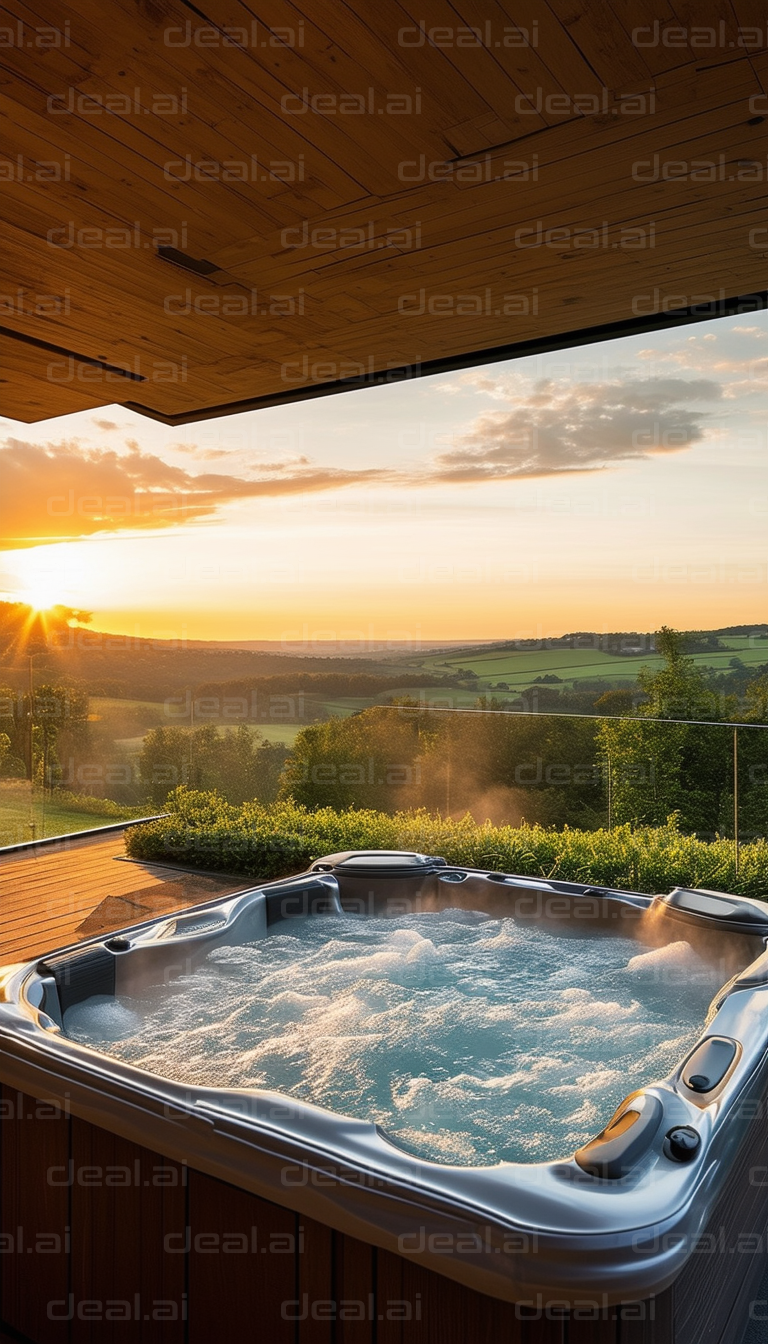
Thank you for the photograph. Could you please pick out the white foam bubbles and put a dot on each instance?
(674, 963)
(101, 1018)
(468, 1039)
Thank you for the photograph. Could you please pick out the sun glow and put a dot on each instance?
(39, 594)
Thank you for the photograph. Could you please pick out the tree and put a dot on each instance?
(55, 711)
(494, 765)
(239, 765)
(621, 701)
(366, 760)
(757, 700)
(11, 766)
(657, 769)
(753, 762)
(678, 690)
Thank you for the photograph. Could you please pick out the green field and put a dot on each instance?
(124, 718)
(284, 733)
(112, 714)
(520, 667)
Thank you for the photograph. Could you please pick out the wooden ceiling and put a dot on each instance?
(209, 207)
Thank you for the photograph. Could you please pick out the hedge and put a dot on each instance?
(96, 807)
(265, 841)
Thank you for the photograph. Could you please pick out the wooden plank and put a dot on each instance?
(128, 1234)
(29, 399)
(355, 1290)
(390, 1301)
(557, 45)
(47, 894)
(242, 1265)
(238, 71)
(352, 316)
(437, 1310)
(651, 1321)
(603, 42)
(315, 1290)
(502, 95)
(749, 1307)
(532, 48)
(221, 96)
(602, 1328)
(35, 1216)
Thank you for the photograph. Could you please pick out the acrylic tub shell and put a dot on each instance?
(513, 1231)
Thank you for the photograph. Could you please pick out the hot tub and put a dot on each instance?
(614, 1219)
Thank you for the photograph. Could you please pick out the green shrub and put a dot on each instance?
(95, 807)
(273, 840)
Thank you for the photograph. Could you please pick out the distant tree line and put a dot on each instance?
(320, 683)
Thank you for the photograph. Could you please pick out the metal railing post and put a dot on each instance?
(736, 798)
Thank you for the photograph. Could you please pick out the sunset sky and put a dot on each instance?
(617, 486)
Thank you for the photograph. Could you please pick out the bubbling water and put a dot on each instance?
(470, 1040)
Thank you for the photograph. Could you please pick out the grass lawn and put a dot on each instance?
(18, 809)
(285, 733)
(125, 718)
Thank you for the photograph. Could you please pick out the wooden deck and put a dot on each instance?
(58, 894)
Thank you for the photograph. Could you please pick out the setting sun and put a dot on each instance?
(40, 595)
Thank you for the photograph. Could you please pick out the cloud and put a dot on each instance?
(59, 491)
(732, 355)
(550, 429)
(201, 454)
(243, 455)
(105, 424)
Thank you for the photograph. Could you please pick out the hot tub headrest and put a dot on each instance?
(379, 863)
(716, 909)
(81, 974)
(295, 900)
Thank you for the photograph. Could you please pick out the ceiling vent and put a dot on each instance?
(197, 265)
